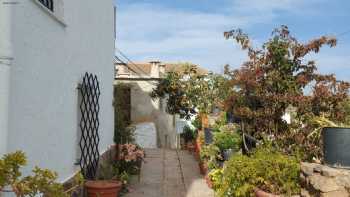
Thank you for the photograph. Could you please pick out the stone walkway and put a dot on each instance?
(170, 173)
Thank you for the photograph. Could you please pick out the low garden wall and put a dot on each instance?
(321, 180)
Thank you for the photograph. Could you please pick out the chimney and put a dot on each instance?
(155, 69)
(161, 70)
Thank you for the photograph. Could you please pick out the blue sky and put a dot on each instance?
(192, 30)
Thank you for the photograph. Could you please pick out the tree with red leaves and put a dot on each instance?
(275, 77)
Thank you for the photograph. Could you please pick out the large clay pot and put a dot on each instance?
(103, 188)
(336, 146)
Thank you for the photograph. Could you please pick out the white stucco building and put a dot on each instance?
(143, 78)
(46, 46)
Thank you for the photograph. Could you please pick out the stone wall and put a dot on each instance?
(324, 181)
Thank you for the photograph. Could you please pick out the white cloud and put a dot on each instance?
(146, 31)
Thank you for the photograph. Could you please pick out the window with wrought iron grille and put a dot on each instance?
(47, 3)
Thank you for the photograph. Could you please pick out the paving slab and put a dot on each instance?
(170, 173)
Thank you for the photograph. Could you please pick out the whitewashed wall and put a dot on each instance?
(145, 109)
(49, 62)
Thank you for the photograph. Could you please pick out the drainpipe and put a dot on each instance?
(6, 59)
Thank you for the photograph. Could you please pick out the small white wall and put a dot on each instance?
(50, 60)
(145, 109)
(4, 100)
(146, 135)
(5, 67)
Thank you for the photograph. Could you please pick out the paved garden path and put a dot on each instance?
(170, 173)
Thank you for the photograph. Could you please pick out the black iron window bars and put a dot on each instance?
(89, 125)
(47, 3)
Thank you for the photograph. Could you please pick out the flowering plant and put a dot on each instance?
(131, 153)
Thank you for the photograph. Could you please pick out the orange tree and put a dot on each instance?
(189, 92)
(274, 78)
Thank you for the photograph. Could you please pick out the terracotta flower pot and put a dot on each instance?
(190, 147)
(208, 181)
(103, 188)
(197, 149)
(203, 168)
(205, 120)
(260, 193)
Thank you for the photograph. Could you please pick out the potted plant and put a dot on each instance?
(265, 171)
(189, 135)
(208, 158)
(203, 167)
(208, 135)
(228, 141)
(336, 146)
(107, 183)
(199, 143)
(208, 181)
(130, 158)
(113, 171)
(335, 138)
(42, 182)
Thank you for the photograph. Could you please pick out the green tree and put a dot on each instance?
(189, 92)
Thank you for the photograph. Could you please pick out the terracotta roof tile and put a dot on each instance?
(143, 68)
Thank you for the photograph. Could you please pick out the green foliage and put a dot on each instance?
(220, 122)
(122, 132)
(347, 111)
(216, 176)
(188, 134)
(210, 154)
(187, 91)
(42, 182)
(125, 135)
(174, 87)
(108, 170)
(124, 177)
(266, 169)
(10, 166)
(227, 140)
(197, 123)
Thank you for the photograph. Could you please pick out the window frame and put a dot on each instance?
(49, 4)
(57, 13)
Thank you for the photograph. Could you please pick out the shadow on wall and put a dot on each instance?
(144, 109)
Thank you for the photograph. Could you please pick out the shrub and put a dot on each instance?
(275, 77)
(266, 169)
(227, 140)
(220, 122)
(41, 183)
(197, 122)
(210, 154)
(188, 134)
(122, 132)
(347, 111)
(216, 178)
